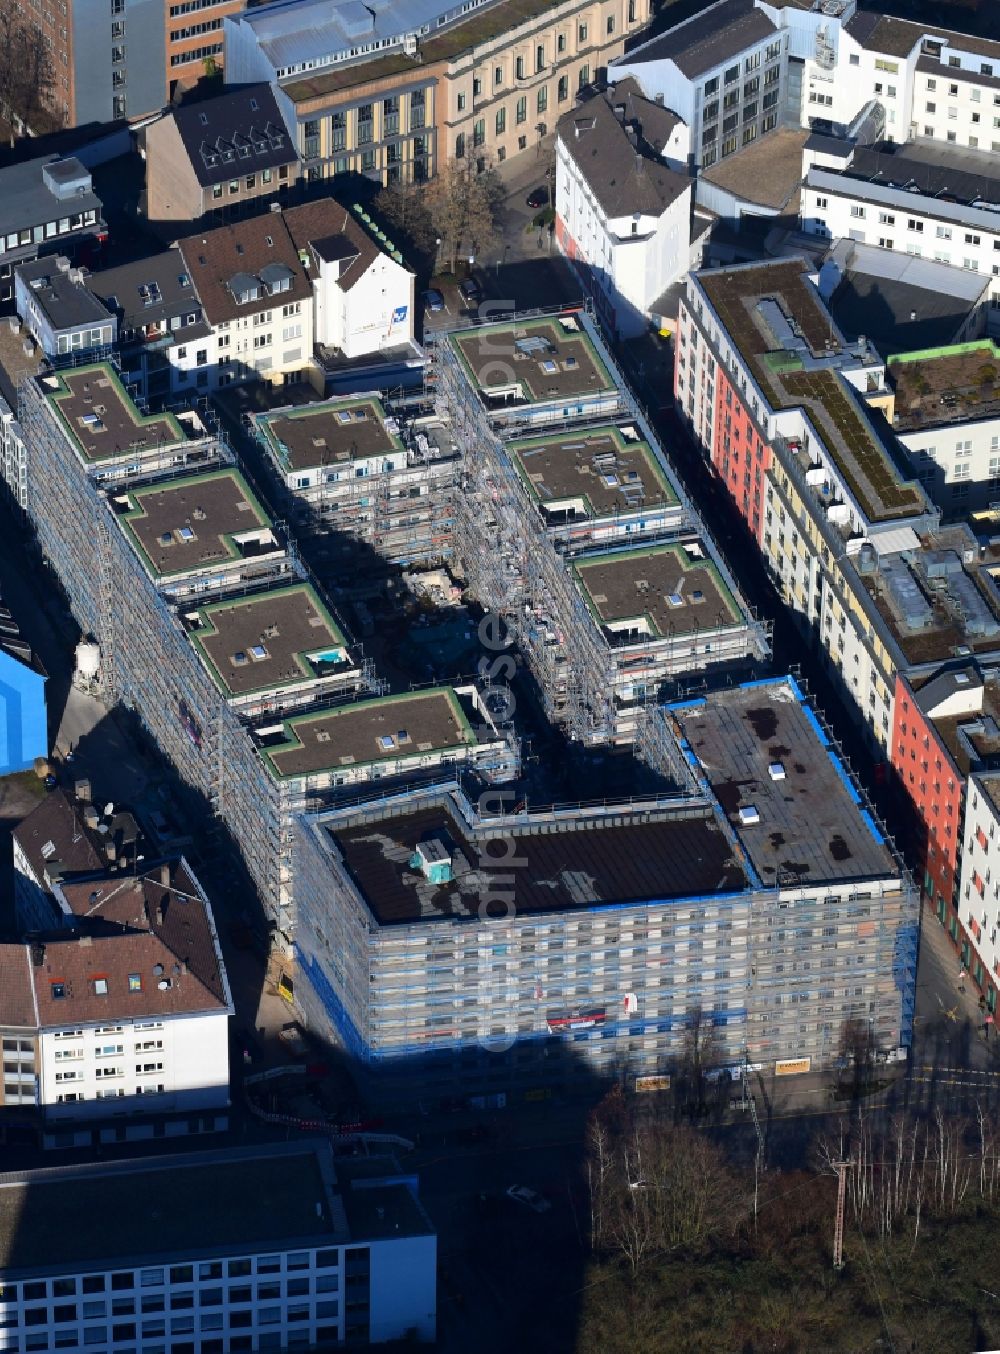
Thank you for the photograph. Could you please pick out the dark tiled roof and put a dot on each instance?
(215, 258)
(704, 42)
(147, 291)
(319, 224)
(949, 182)
(56, 820)
(17, 1003)
(897, 37)
(624, 176)
(238, 132)
(161, 932)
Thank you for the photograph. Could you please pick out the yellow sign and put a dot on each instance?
(652, 1083)
(790, 1067)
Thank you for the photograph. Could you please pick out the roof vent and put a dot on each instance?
(749, 815)
(776, 770)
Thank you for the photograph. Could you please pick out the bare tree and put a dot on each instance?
(26, 77)
(463, 208)
(857, 1051)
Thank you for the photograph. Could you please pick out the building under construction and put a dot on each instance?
(760, 896)
(351, 469)
(210, 631)
(572, 526)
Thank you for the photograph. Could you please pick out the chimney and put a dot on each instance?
(86, 940)
(159, 914)
(165, 875)
(638, 163)
(37, 953)
(184, 967)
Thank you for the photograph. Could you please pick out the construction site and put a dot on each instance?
(540, 517)
(758, 896)
(350, 468)
(207, 625)
(370, 822)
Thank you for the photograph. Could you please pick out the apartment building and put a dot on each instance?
(977, 888)
(406, 920)
(724, 72)
(947, 416)
(59, 311)
(932, 82)
(207, 627)
(117, 1001)
(604, 617)
(347, 465)
(218, 157)
(48, 205)
(427, 84)
(271, 1247)
(913, 202)
(623, 211)
(906, 611)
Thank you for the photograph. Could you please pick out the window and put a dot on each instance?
(582, 34)
(890, 67)
(498, 75)
(461, 103)
(972, 239)
(562, 89)
(519, 68)
(731, 75)
(479, 132)
(943, 232)
(540, 54)
(822, 203)
(917, 226)
(542, 100)
(584, 79)
(858, 212)
(561, 43)
(100, 987)
(886, 219)
(521, 112)
(460, 146)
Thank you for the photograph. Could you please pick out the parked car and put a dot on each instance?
(433, 300)
(538, 197)
(470, 291)
(521, 1194)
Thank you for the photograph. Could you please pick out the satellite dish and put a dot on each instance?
(108, 810)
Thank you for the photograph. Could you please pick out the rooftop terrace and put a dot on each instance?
(101, 418)
(195, 522)
(175, 1205)
(368, 732)
(268, 640)
(661, 592)
(327, 434)
(598, 472)
(763, 752)
(574, 863)
(938, 386)
(534, 360)
(789, 341)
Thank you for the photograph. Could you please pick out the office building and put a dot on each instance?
(49, 205)
(426, 85)
(273, 1247)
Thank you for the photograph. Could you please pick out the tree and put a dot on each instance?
(404, 208)
(857, 1051)
(463, 207)
(700, 1051)
(26, 77)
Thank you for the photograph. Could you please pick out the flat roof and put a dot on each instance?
(191, 523)
(367, 732)
(66, 301)
(101, 418)
(676, 587)
(795, 372)
(576, 863)
(551, 359)
(813, 825)
(766, 173)
(166, 1206)
(327, 434)
(954, 384)
(27, 200)
(934, 601)
(602, 471)
(270, 639)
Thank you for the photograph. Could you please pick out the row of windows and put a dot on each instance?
(158, 1276)
(49, 231)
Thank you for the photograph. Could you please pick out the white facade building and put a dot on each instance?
(266, 1248)
(979, 877)
(902, 207)
(363, 300)
(623, 215)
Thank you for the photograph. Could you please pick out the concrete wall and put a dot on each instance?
(144, 40)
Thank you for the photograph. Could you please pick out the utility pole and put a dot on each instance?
(838, 1226)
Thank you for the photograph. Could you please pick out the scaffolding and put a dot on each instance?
(150, 660)
(400, 502)
(593, 681)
